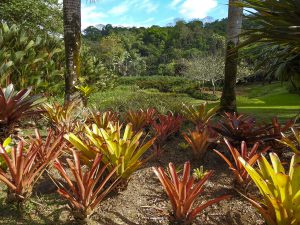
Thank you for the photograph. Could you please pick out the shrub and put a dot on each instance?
(88, 189)
(161, 83)
(183, 192)
(203, 96)
(30, 60)
(124, 98)
(280, 190)
(242, 178)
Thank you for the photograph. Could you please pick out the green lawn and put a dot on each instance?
(257, 100)
(268, 101)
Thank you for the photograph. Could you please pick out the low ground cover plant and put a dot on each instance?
(239, 127)
(62, 117)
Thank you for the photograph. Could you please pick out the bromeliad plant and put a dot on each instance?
(26, 164)
(119, 150)
(140, 119)
(199, 173)
(14, 106)
(165, 126)
(88, 187)
(239, 127)
(280, 190)
(275, 131)
(7, 145)
(62, 117)
(199, 141)
(184, 192)
(199, 114)
(294, 145)
(242, 178)
(102, 119)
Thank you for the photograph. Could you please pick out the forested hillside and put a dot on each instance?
(156, 50)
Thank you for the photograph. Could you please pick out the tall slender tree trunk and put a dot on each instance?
(235, 16)
(72, 38)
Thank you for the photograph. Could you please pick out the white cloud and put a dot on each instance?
(174, 3)
(147, 5)
(119, 9)
(90, 16)
(197, 8)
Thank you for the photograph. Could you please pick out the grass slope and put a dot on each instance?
(262, 101)
(266, 101)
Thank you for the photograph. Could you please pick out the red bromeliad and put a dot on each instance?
(140, 119)
(242, 178)
(26, 165)
(89, 188)
(183, 192)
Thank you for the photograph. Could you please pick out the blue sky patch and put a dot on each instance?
(145, 13)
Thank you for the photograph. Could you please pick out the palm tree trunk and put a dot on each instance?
(72, 38)
(235, 16)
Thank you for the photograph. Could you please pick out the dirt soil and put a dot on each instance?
(144, 201)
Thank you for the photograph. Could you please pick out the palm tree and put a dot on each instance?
(72, 39)
(276, 32)
(235, 15)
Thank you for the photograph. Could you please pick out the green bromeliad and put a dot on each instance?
(280, 190)
(122, 151)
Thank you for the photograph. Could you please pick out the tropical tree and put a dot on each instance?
(276, 34)
(72, 38)
(206, 69)
(234, 25)
(34, 16)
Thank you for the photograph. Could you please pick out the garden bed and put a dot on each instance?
(144, 201)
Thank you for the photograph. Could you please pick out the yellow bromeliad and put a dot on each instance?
(280, 190)
(7, 145)
(122, 151)
(293, 144)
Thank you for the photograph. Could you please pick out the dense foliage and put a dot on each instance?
(36, 16)
(155, 50)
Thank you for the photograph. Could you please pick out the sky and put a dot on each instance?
(146, 13)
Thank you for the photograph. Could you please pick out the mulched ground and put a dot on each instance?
(144, 201)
